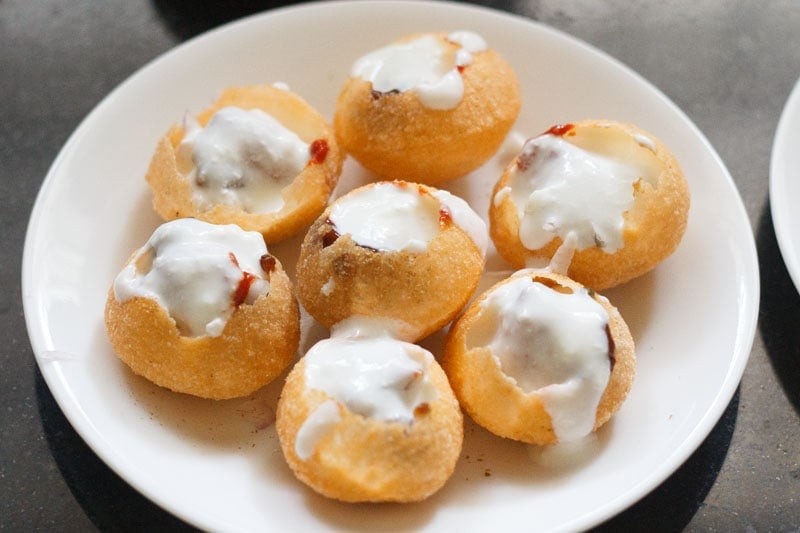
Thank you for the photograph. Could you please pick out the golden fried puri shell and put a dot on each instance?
(396, 137)
(653, 226)
(304, 197)
(365, 460)
(418, 292)
(494, 400)
(258, 343)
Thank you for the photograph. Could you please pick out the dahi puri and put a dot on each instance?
(260, 157)
(612, 192)
(368, 418)
(427, 108)
(205, 310)
(405, 253)
(540, 359)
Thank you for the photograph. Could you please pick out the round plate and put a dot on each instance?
(784, 184)
(218, 465)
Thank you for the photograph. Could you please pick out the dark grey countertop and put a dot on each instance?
(729, 64)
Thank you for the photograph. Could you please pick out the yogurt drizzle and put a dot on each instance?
(423, 65)
(194, 270)
(369, 373)
(560, 188)
(400, 217)
(552, 344)
(242, 158)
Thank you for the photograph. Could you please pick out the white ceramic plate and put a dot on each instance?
(784, 184)
(218, 465)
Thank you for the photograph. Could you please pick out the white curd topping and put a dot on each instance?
(368, 372)
(561, 260)
(501, 195)
(361, 326)
(328, 286)
(318, 423)
(645, 141)
(422, 64)
(241, 157)
(470, 41)
(375, 376)
(387, 216)
(559, 188)
(392, 217)
(564, 457)
(196, 271)
(552, 344)
(465, 218)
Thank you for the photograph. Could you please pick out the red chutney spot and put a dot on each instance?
(319, 151)
(461, 68)
(445, 216)
(233, 259)
(243, 288)
(560, 129)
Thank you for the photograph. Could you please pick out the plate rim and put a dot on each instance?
(779, 208)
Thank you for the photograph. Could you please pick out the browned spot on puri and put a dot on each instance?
(330, 236)
(612, 348)
(553, 285)
(422, 409)
(376, 95)
(637, 186)
(267, 263)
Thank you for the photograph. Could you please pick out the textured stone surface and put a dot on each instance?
(730, 65)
